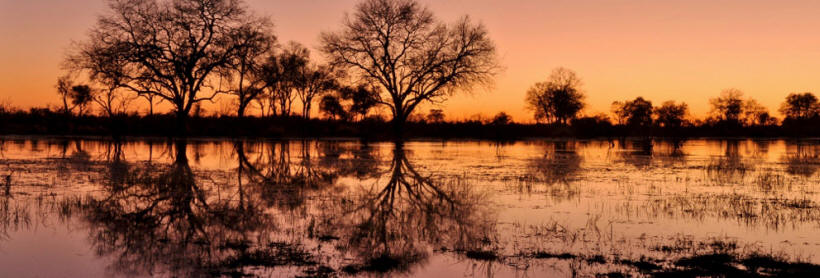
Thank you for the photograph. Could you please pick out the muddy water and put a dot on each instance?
(430, 209)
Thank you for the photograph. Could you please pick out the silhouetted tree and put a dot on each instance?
(244, 70)
(112, 101)
(435, 116)
(755, 114)
(150, 99)
(170, 49)
(281, 73)
(501, 119)
(313, 81)
(557, 100)
(800, 106)
(332, 108)
(729, 106)
(671, 115)
(81, 96)
(634, 113)
(413, 57)
(63, 87)
(363, 98)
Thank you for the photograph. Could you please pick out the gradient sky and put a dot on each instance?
(686, 50)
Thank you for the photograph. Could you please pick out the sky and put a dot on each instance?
(683, 50)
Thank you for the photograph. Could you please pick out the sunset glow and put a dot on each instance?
(661, 50)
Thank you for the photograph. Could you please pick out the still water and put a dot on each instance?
(92, 207)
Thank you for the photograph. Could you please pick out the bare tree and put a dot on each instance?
(280, 74)
(244, 70)
(167, 48)
(557, 100)
(113, 102)
(63, 87)
(413, 57)
(313, 81)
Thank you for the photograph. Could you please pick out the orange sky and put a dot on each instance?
(685, 50)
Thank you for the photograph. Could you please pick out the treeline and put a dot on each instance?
(388, 59)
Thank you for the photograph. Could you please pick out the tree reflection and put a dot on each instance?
(802, 159)
(392, 226)
(158, 219)
(559, 164)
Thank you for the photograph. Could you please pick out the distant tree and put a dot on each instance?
(281, 73)
(113, 102)
(150, 99)
(414, 58)
(729, 106)
(754, 113)
(169, 48)
(501, 118)
(81, 96)
(313, 81)
(362, 97)
(435, 116)
(63, 87)
(332, 108)
(800, 106)
(671, 115)
(634, 113)
(557, 100)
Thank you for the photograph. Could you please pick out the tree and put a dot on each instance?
(81, 96)
(754, 113)
(113, 101)
(435, 116)
(501, 118)
(170, 49)
(63, 87)
(634, 113)
(729, 106)
(244, 71)
(413, 57)
(313, 81)
(362, 97)
(280, 74)
(557, 100)
(671, 115)
(800, 106)
(332, 108)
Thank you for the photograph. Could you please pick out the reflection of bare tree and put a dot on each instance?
(394, 225)
(159, 219)
(802, 159)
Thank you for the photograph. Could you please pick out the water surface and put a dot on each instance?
(83, 207)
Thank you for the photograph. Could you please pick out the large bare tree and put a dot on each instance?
(411, 55)
(167, 48)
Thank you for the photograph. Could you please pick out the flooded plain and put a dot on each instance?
(559, 208)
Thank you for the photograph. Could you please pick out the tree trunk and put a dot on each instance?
(181, 124)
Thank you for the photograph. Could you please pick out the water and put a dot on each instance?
(86, 208)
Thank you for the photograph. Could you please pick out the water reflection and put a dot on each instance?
(313, 208)
(400, 218)
(156, 219)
